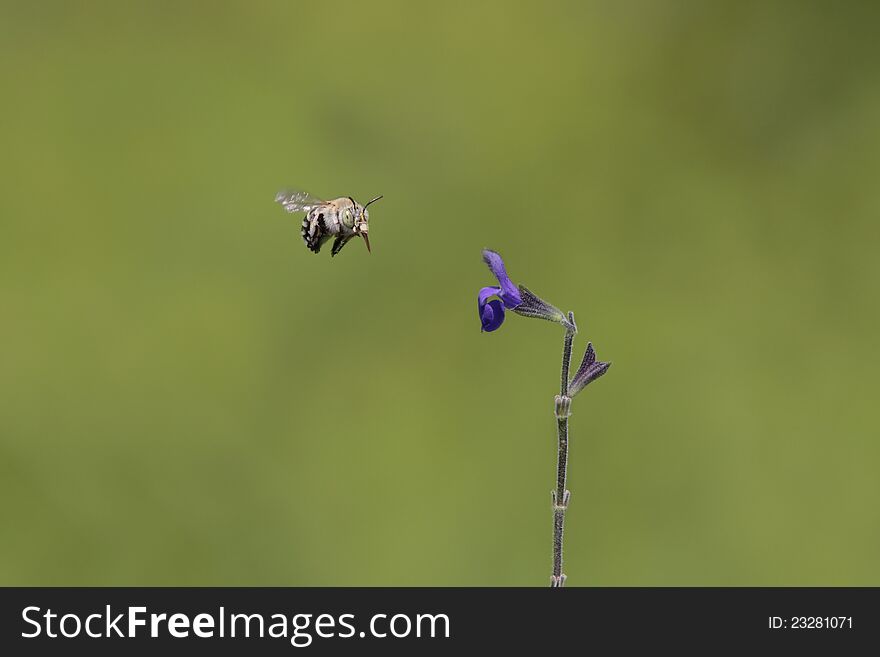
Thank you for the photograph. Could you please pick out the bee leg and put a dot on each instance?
(338, 243)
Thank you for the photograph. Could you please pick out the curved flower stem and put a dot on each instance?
(561, 495)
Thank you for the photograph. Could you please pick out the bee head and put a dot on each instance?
(362, 223)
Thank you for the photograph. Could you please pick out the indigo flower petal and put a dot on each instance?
(590, 370)
(492, 315)
(509, 294)
(485, 293)
(491, 312)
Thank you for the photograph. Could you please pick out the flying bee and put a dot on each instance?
(342, 218)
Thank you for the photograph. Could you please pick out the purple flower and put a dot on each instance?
(590, 370)
(492, 311)
(512, 297)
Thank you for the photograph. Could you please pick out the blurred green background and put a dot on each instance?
(189, 397)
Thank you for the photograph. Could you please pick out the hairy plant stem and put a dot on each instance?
(561, 495)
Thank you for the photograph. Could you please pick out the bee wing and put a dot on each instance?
(297, 201)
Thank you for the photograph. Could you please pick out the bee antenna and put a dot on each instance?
(374, 200)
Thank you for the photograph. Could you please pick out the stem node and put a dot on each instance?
(565, 500)
(557, 582)
(563, 407)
